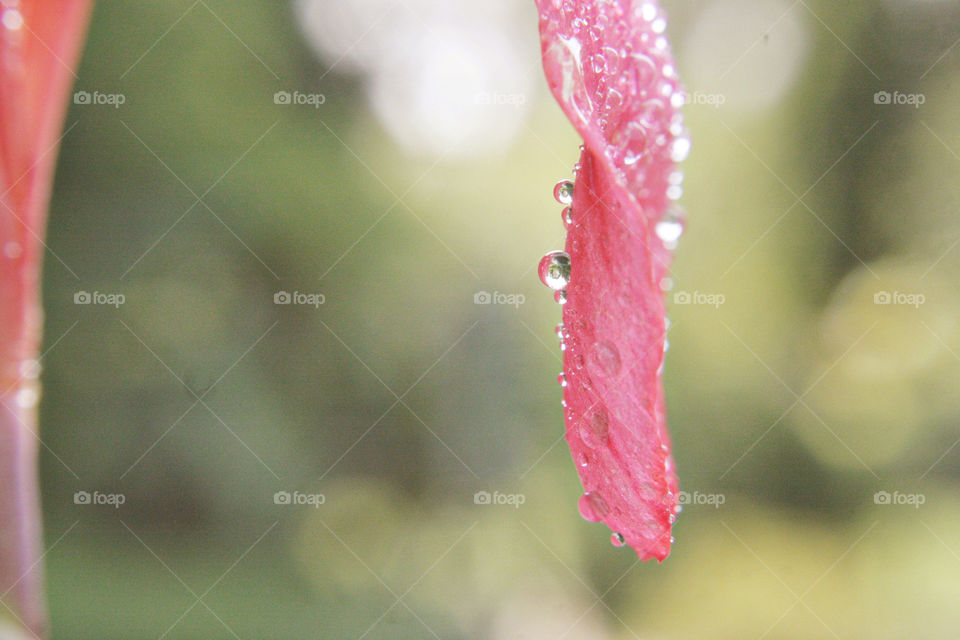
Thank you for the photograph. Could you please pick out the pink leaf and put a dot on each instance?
(609, 66)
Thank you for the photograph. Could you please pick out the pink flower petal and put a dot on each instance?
(609, 67)
(39, 47)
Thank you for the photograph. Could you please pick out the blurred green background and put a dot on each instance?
(398, 199)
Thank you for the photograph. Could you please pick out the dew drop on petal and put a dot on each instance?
(594, 428)
(554, 270)
(563, 192)
(562, 380)
(30, 369)
(670, 228)
(27, 398)
(680, 149)
(648, 11)
(12, 19)
(617, 539)
(607, 356)
(592, 506)
(560, 296)
(567, 216)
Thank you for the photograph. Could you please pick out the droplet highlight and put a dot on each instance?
(554, 270)
(563, 192)
(670, 228)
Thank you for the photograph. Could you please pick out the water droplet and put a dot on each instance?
(606, 355)
(554, 270)
(12, 250)
(560, 331)
(674, 192)
(595, 427)
(12, 19)
(563, 55)
(636, 144)
(659, 25)
(562, 380)
(592, 506)
(563, 192)
(651, 112)
(560, 297)
(599, 64)
(648, 11)
(670, 228)
(27, 397)
(680, 150)
(567, 216)
(617, 539)
(666, 283)
(30, 369)
(613, 100)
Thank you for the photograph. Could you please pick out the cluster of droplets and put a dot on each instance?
(555, 267)
(634, 95)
